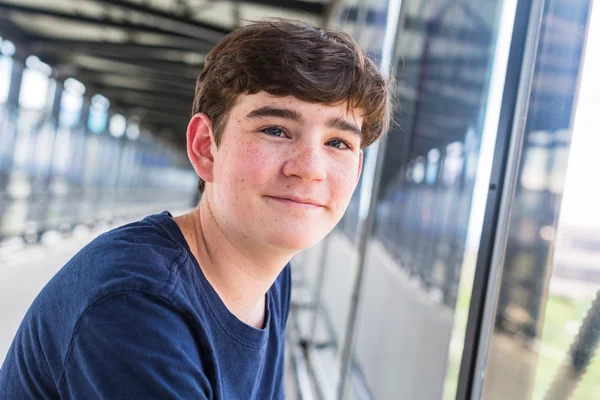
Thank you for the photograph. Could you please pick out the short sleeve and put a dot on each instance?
(133, 346)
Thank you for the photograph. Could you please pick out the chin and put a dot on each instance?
(298, 239)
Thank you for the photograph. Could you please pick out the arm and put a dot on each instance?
(132, 345)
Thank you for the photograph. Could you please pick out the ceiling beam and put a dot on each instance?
(308, 7)
(151, 76)
(163, 67)
(67, 67)
(11, 31)
(156, 117)
(127, 48)
(172, 22)
(164, 95)
(142, 99)
(137, 79)
(127, 26)
(157, 96)
(148, 59)
(180, 108)
(172, 67)
(139, 85)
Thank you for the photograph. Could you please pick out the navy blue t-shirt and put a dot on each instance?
(131, 316)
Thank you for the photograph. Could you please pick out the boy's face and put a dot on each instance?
(284, 171)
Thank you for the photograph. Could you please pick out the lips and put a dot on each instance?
(297, 200)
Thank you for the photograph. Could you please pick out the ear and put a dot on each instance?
(199, 146)
(360, 166)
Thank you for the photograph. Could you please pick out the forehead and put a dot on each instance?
(312, 112)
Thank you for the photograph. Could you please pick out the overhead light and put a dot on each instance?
(133, 130)
(433, 156)
(7, 48)
(117, 125)
(75, 86)
(100, 102)
(36, 64)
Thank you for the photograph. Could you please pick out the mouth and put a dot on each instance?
(292, 201)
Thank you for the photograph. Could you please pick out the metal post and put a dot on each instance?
(16, 78)
(364, 235)
(12, 113)
(48, 175)
(366, 228)
(319, 289)
(58, 92)
(503, 181)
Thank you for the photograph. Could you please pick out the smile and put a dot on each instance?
(311, 204)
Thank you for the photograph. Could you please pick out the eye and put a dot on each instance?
(274, 131)
(339, 144)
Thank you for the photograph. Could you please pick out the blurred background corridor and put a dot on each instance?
(468, 263)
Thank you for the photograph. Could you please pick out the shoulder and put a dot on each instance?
(139, 256)
(134, 342)
(127, 274)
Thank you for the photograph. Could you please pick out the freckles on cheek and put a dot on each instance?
(344, 179)
(258, 155)
(251, 163)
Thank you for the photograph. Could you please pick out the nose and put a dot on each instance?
(307, 163)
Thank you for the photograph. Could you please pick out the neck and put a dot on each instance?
(240, 271)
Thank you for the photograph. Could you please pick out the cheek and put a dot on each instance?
(246, 165)
(343, 181)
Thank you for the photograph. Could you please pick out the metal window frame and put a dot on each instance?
(503, 178)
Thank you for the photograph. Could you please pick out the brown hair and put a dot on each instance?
(285, 57)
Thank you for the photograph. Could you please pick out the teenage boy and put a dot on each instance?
(195, 307)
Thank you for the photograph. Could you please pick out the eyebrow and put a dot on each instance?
(334, 123)
(267, 111)
(342, 124)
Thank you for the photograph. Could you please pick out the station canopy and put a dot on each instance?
(143, 55)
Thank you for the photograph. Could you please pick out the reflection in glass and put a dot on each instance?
(416, 256)
(547, 322)
(331, 267)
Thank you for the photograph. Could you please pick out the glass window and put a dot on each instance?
(328, 272)
(421, 258)
(547, 321)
